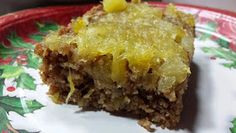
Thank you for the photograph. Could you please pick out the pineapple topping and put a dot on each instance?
(137, 37)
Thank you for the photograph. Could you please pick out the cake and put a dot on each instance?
(127, 58)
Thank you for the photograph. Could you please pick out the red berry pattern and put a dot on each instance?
(4, 131)
(232, 46)
(11, 88)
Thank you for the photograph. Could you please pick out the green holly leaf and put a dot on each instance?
(46, 27)
(8, 52)
(233, 129)
(19, 105)
(222, 43)
(43, 29)
(33, 60)
(25, 81)
(18, 42)
(1, 86)
(11, 71)
(212, 26)
(230, 65)
(221, 53)
(37, 37)
(25, 131)
(3, 119)
(204, 36)
(5, 123)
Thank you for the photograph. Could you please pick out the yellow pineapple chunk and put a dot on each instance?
(77, 24)
(114, 5)
(72, 87)
(118, 71)
(136, 1)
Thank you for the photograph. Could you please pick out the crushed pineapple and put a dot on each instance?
(173, 12)
(118, 69)
(77, 24)
(138, 38)
(136, 1)
(114, 5)
(72, 87)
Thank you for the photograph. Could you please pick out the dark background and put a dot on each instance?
(7, 6)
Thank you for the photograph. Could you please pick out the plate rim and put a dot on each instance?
(36, 11)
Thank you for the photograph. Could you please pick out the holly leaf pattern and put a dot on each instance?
(204, 36)
(233, 129)
(3, 119)
(221, 53)
(43, 29)
(25, 81)
(21, 53)
(222, 42)
(18, 42)
(11, 71)
(33, 60)
(1, 86)
(24, 131)
(5, 123)
(229, 65)
(46, 27)
(7, 52)
(19, 105)
(37, 37)
(211, 26)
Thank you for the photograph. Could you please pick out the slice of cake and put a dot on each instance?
(129, 58)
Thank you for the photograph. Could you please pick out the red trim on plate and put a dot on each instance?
(61, 14)
(225, 12)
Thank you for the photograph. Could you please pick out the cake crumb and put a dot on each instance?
(145, 123)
